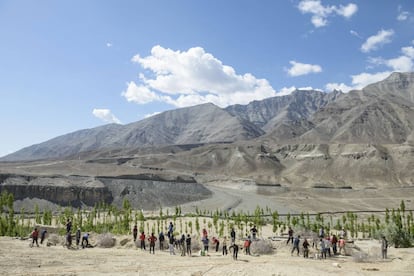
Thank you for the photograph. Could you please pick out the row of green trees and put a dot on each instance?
(396, 224)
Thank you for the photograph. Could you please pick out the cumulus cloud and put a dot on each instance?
(286, 91)
(403, 63)
(400, 64)
(139, 94)
(185, 78)
(361, 80)
(408, 51)
(338, 86)
(299, 69)
(358, 81)
(320, 12)
(375, 41)
(105, 115)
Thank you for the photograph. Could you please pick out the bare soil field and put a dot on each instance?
(18, 258)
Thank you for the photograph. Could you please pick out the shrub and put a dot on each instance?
(106, 240)
(399, 237)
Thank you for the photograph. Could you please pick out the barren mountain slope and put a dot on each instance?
(205, 123)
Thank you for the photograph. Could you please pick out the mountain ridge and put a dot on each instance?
(382, 112)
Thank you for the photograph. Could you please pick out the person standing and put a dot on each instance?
(342, 245)
(334, 241)
(305, 248)
(224, 245)
(384, 247)
(182, 245)
(68, 226)
(254, 232)
(233, 235)
(247, 244)
(188, 243)
(322, 248)
(152, 239)
(290, 235)
(296, 245)
(171, 244)
(161, 238)
(35, 235)
(321, 233)
(142, 239)
(135, 232)
(78, 236)
(216, 242)
(170, 229)
(43, 236)
(205, 243)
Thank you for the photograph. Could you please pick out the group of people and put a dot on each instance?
(324, 244)
(85, 238)
(183, 243)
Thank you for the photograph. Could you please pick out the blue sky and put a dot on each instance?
(71, 65)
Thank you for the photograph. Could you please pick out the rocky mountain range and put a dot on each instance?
(308, 140)
(380, 113)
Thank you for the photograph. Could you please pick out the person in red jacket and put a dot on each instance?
(152, 239)
(142, 239)
(216, 243)
(35, 235)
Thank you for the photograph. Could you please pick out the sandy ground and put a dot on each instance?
(18, 258)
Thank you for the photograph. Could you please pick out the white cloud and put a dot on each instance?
(299, 69)
(152, 114)
(373, 42)
(319, 21)
(408, 51)
(355, 33)
(400, 64)
(105, 115)
(108, 44)
(286, 91)
(358, 81)
(363, 79)
(320, 12)
(338, 86)
(348, 10)
(289, 90)
(403, 16)
(185, 78)
(403, 63)
(139, 94)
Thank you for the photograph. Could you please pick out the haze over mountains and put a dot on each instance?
(381, 113)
